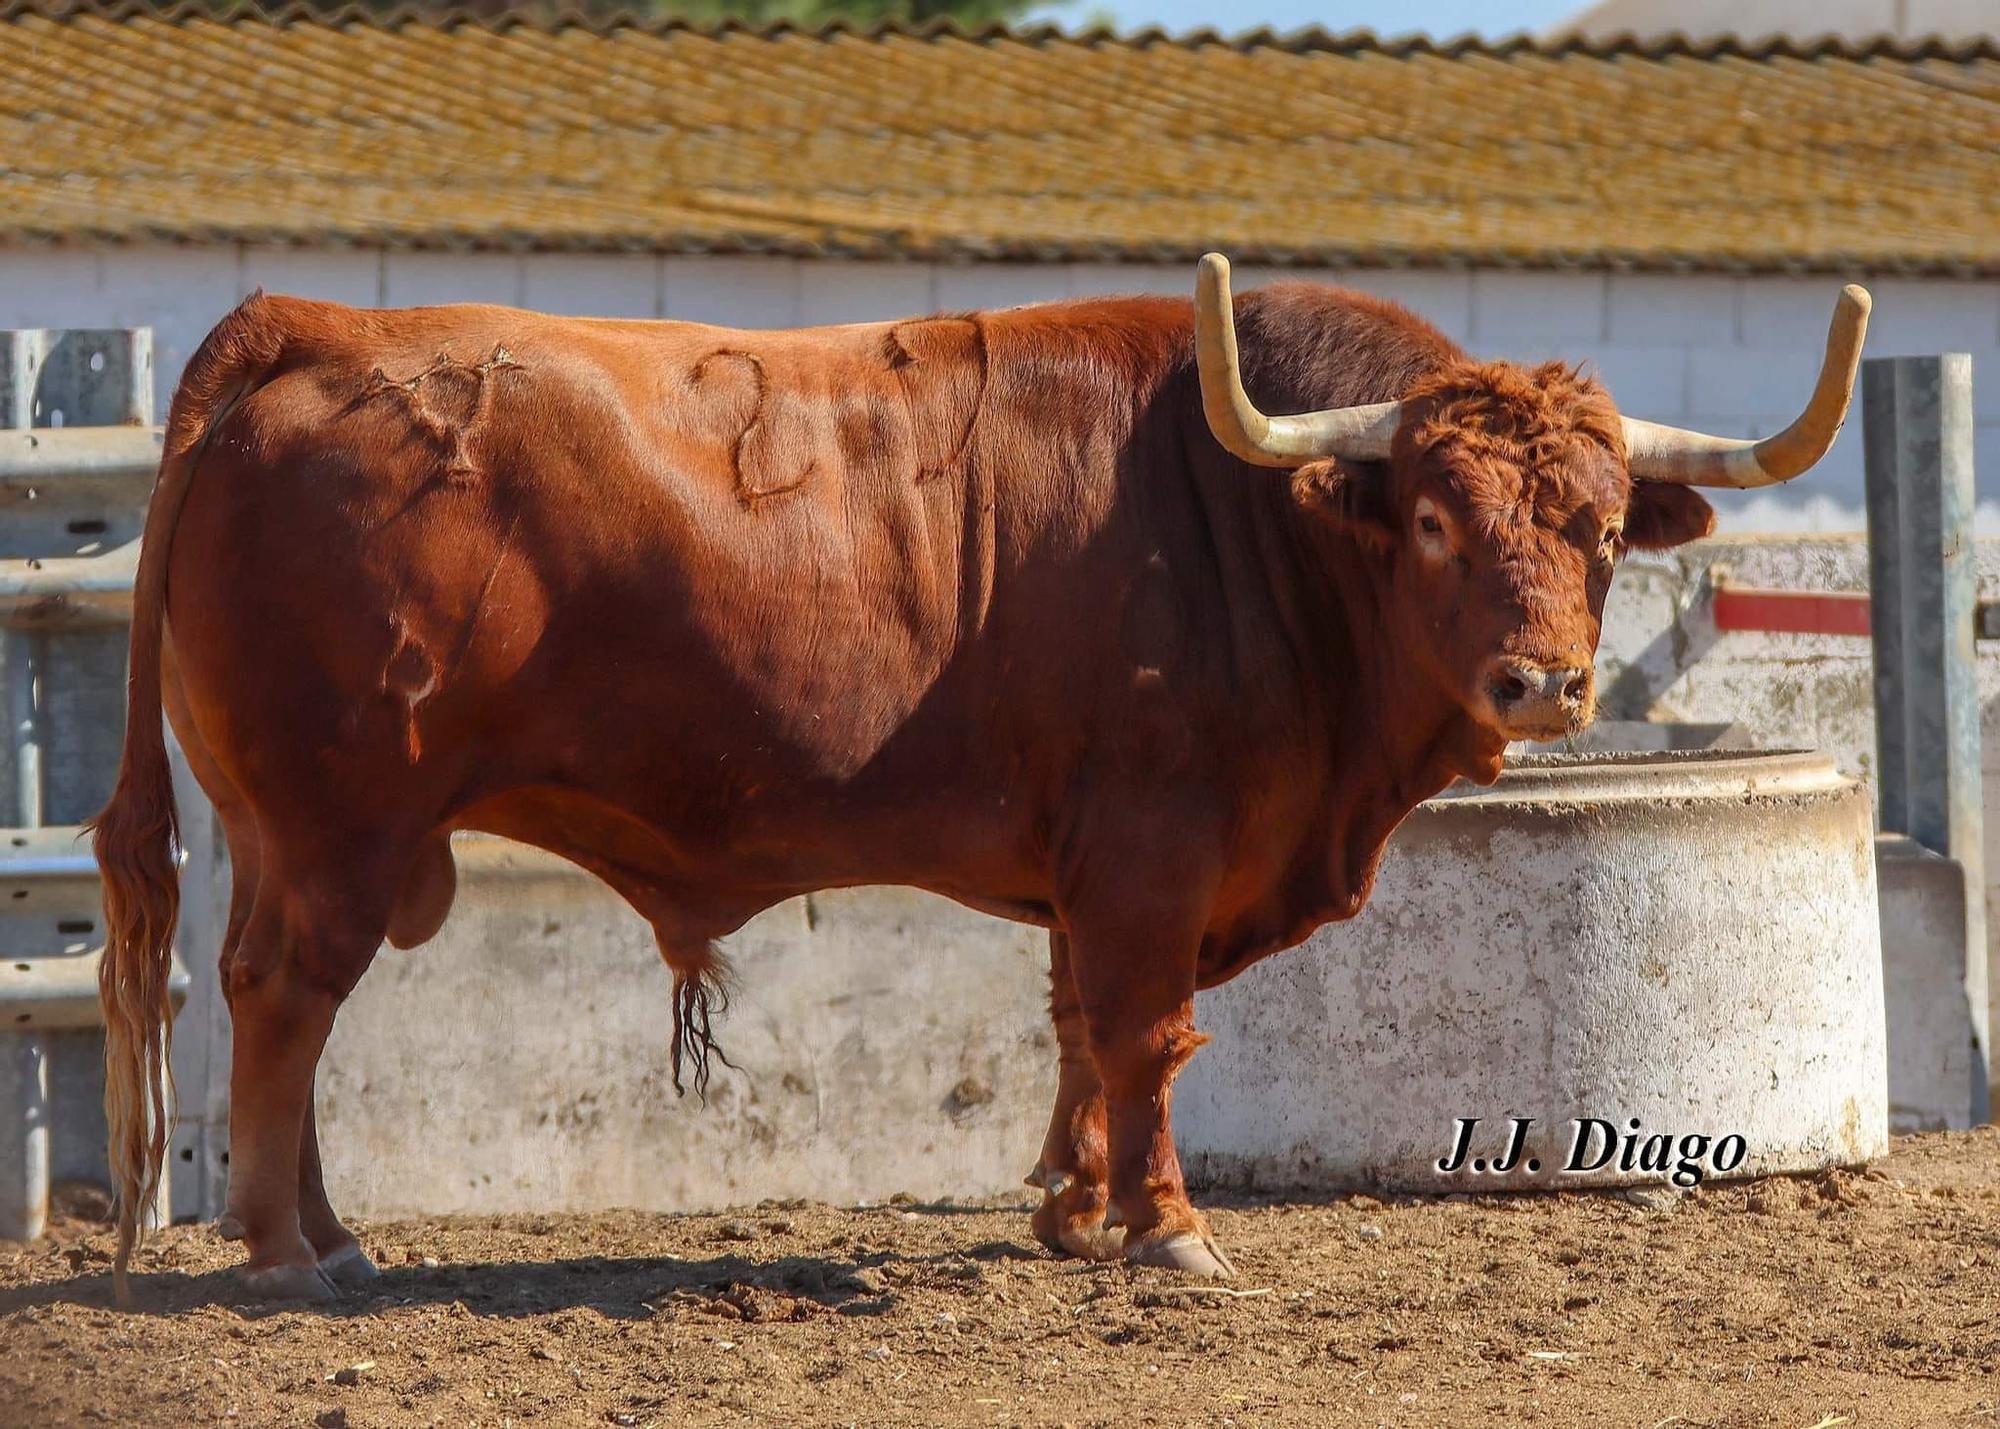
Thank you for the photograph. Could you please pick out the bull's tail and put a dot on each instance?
(137, 834)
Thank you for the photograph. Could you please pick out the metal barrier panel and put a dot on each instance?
(77, 455)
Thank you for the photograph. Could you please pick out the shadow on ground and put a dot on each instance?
(628, 1287)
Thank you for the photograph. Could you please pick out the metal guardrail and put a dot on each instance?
(71, 590)
(50, 932)
(78, 451)
(36, 456)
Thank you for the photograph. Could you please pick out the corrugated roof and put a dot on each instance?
(120, 122)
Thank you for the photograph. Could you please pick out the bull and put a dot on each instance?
(1035, 609)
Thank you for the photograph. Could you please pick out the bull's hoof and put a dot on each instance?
(1084, 1235)
(288, 1282)
(349, 1267)
(1070, 1219)
(1189, 1252)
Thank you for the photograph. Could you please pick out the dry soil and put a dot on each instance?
(1863, 1298)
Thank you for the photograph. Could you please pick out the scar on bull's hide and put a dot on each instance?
(447, 430)
(409, 677)
(930, 359)
(757, 435)
(412, 675)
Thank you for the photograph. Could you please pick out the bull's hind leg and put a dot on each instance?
(421, 907)
(1073, 1169)
(340, 1255)
(341, 1258)
(304, 945)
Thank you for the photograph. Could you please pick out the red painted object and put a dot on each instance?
(1792, 612)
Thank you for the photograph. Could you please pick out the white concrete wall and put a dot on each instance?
(883, 1041)
(1732, 355)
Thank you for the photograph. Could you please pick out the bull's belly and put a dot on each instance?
(689, 857)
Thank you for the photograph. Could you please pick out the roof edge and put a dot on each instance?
(555, 15)
(892, 247)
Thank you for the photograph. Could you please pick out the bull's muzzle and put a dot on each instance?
(1534, 701)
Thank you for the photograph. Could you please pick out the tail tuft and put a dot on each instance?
(137, 842)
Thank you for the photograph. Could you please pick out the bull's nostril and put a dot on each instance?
(1576, 689)
(1509, 688)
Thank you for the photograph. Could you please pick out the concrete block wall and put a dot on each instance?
(1732, 355)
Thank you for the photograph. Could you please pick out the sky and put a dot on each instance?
(1440, 19)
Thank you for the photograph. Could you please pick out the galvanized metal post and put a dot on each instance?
(1918, 419)
(24, 1135)
(23, 654)
(24, 1055)
(22, 354)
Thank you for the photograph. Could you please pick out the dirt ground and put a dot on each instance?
(1868, 1298)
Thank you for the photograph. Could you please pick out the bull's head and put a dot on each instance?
(1503, 497)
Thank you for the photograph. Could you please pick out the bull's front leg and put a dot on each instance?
(1137, 998)
(1073, 1172)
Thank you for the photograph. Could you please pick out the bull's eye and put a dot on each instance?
(1432, 538)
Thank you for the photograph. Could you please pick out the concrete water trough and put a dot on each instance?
(1661, 944)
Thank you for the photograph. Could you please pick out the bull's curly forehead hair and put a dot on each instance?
(1513, 436)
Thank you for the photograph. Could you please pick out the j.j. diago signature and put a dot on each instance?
(1596, 1145)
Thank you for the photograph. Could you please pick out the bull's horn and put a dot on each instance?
(1687, 458)
(1358, 433)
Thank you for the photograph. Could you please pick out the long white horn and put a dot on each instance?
(1685, 458)
(1357, 433)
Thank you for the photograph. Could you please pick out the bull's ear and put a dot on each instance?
(1353, 495)
(1661, 515)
